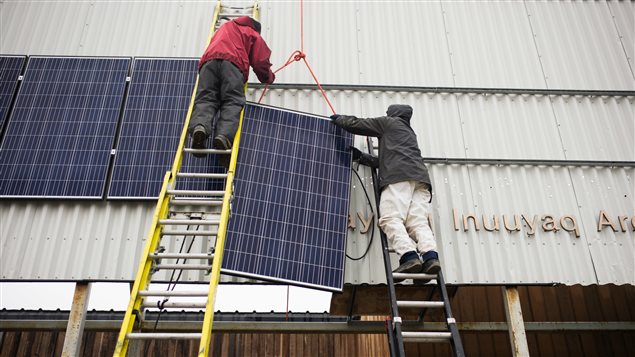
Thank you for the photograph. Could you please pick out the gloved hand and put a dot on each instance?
(334, 117)
(357, 154)
(364, 159)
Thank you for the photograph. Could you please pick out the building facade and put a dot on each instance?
(524, 112)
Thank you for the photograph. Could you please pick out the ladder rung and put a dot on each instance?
(171, 293)
(189, 222)
(166, 232)
(164, 336)
(174, 305)
(181, 256)
(421, 304)
(426, 336)
(238, 8)
(413, 276)
(230, 15)
(196, 203)
(196, 193)
(206, 151)
(182, 267)
(200, 175)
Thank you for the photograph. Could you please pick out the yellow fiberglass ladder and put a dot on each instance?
(177, 211)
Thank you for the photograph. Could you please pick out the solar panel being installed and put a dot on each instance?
(10, 70)
(290, 207)
(155, 111)
(60, 134)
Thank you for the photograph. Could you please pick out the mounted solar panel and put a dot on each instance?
(10, 70)
(290, 209)
(59, 139)
(154, 115)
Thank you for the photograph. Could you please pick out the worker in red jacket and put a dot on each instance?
(223, 72)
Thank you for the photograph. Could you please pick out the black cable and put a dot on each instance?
(372, 233)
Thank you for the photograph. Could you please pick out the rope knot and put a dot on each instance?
(299, 55)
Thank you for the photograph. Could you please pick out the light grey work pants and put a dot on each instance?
(404, 208)
(220, 89)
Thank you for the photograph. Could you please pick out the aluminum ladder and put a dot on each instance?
(177, 211)
(396, 334)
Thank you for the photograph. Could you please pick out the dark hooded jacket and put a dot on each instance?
(399, 155)
(239, 42)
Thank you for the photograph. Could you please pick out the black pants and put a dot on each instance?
(220, 89)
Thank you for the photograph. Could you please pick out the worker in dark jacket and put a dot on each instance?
(405, 187)
(223, 72)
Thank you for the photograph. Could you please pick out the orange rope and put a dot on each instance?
(300, 55)
(302, 26)
(319, 85)
(295, 56)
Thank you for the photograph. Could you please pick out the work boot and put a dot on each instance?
(430, 266)
(409, 263)
(222, 143)
(199, 137)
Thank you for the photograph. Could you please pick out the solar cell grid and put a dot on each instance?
(290, 205)
(154, 115)
(61, 132)
(10, 70)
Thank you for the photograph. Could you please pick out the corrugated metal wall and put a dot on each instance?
(529, 44)
(470, 126)
(537, 127)
(105, 28)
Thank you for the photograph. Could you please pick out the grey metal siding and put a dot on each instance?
(105, 28)
(86, 236)
(555, 44)
(579, 45)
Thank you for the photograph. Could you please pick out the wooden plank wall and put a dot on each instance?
(98, 344)
(470, 304)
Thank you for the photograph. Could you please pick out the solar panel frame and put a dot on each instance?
(10, 72)
(53, 120)
(286, 226)
(154, 114)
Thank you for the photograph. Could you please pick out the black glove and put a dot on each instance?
(334, 117)
(357, 154)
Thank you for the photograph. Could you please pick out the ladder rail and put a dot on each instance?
(219, 248)
(391, 338)
(395, 339)
(455, 340)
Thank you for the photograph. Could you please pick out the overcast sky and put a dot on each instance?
(106, 296)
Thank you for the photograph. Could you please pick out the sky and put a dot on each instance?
(107, 296)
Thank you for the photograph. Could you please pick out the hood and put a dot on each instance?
(248, 21)
(403, 111)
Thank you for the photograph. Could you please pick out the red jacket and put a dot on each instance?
(238, 41)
